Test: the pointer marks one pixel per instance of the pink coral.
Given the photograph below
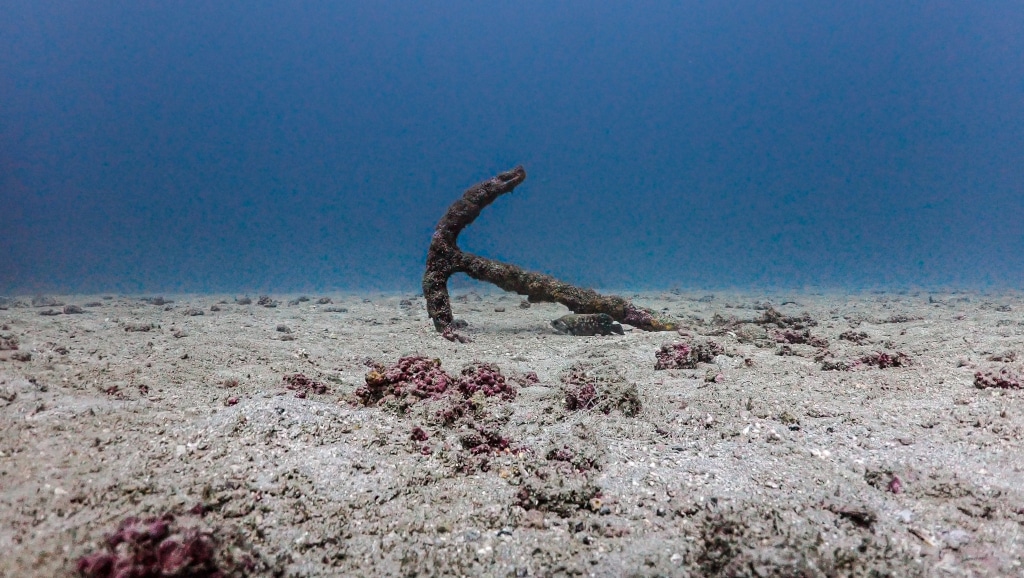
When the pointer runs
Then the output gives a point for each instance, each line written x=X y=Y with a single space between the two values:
x=486 y=378
x=884 y=360
x=579 y=396
x=682 y=355
x=414 y=377
x=303 y=386
x=791 y=336
x=1005 y=378
x=895 y=484
x=153 y=547
x=483 y=439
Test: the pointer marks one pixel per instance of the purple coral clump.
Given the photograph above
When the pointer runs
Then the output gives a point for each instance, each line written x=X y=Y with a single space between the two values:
x=580 y=396
x=599 y=388
x=674 y=356
x=415 y=377
x=302 y=385
x=895 y=485
x=638 y=317
x=452 y=410
x=153 y=547
x=682 y=355
x=794 y=337
x=857 y=337
x=884 y=360
x=419 y=434
x=773 y=317
x=450 y=334
x=486 y=378
x=1005 y=378
x=834 y=365
x=484 y=440
x=580 y=461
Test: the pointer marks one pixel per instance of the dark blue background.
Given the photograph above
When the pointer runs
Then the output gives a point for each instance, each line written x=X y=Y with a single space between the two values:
x=201 y=146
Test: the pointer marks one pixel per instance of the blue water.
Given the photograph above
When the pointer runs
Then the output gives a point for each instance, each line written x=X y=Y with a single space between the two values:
x=291 y=146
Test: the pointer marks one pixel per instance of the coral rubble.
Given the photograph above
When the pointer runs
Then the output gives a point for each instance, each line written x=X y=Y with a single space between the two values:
x=1003 y=378
x=683 y=355
x=158 y=546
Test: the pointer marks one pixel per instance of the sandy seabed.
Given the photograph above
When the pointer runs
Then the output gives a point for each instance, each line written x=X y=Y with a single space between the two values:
x=756 y=461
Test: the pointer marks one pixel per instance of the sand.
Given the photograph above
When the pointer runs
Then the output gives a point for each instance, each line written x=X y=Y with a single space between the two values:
x=755 y=462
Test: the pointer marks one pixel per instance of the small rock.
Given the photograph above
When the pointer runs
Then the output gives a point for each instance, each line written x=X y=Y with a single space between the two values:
x=957 y=538
x=905 y=516
x=725 y=362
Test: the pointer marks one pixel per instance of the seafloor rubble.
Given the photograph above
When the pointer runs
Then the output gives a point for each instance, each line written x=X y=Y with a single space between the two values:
x=772 y=435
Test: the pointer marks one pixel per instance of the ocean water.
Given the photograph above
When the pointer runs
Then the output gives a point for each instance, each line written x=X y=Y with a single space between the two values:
x=293 y=146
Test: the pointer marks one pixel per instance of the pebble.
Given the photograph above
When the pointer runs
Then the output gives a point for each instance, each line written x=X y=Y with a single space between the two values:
x=957 y=538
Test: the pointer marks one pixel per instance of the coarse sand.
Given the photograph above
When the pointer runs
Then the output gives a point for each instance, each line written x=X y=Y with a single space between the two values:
x=816 y=434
